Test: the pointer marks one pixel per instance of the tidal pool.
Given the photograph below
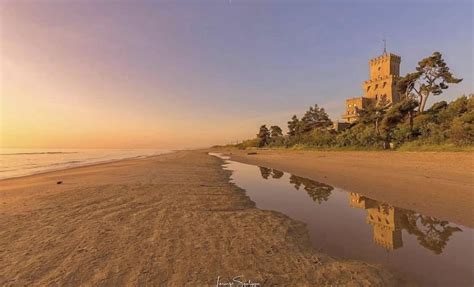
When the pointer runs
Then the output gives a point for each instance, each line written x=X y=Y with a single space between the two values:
x=343 y=224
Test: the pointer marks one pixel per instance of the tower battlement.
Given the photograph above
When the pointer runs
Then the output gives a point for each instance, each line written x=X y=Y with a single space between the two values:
x=384 y=65
x=384 y=57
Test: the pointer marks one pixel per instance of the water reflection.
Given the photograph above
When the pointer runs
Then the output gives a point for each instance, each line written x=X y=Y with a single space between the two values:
x=267 y=172
x=431 y=251
x=319 y=192
x=387 y=221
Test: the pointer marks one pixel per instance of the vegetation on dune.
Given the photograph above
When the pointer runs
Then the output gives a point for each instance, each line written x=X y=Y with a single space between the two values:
x=406 y=124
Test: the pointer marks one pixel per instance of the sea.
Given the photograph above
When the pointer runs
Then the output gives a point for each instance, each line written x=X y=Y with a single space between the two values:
x=23 y=162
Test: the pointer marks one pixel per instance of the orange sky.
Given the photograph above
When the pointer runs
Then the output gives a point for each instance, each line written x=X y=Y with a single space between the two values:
x=56 y=92
x=116 y=75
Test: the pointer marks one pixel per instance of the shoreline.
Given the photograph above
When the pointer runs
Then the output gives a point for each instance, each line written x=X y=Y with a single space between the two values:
x=438 y=184
x=85 y=165
x=123 y=223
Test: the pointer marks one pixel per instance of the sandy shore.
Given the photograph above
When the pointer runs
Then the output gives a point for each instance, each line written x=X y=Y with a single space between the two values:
x=438 y=184
x=169 y=220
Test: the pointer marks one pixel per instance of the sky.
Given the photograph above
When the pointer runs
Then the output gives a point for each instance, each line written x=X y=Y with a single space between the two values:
x=187 y=74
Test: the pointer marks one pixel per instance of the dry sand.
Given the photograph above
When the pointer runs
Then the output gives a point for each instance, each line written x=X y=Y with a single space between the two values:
x=439 y=184
x=168 y=220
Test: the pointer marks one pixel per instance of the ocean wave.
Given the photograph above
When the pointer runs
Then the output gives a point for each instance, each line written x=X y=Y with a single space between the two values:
x=67 y=162
x=22 y=165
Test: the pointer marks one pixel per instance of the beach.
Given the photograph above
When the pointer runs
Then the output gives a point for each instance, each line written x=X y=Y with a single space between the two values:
x=236 y=143
x=173 y=219
x=439 y=184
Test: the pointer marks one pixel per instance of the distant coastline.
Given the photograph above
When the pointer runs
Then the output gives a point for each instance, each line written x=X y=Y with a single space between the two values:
x=24 y=162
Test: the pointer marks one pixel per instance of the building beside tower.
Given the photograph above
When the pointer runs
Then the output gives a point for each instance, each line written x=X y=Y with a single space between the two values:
x=384 y=72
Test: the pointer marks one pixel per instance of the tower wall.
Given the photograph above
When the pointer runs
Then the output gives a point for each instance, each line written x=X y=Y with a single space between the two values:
x=385 y=65
x=352 y=105
x=384 y=72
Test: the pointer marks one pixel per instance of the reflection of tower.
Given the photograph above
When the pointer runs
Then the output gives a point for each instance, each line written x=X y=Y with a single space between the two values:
x=357 y=201
x=385 y=220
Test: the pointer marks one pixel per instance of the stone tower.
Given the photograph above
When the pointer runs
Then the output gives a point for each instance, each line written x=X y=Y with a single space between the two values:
x=383 y=76
x=384 y=72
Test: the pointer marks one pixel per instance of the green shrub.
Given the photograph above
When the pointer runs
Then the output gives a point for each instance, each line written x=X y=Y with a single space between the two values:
x=359 y=135
x=446 y=125
x=401 y=134
x=462 y=130
x=321 y=138
x=248 y=143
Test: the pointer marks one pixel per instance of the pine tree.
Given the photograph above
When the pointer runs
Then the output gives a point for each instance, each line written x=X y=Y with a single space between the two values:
x=293 y=126
x=275 y=131
x=373 y=113
x=315 y=118
x=432 y=76
x=263 y=136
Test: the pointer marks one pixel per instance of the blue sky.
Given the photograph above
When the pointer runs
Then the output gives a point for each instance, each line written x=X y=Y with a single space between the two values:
x=193 y=73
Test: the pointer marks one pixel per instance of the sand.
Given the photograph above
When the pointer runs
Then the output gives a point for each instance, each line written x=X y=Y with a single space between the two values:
x=439 y=184
x=170 y=220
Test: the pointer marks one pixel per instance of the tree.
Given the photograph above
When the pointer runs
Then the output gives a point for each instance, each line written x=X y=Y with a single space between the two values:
x=432 y=76
x=263 y=136
x=395 y=115
x=373 y=113
x=315 y=118
x=407 y=108
x=275 y=132
x=293 y=125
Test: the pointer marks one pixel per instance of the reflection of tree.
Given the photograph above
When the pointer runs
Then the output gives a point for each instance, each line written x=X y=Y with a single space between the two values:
x=265 y=172
x=277 y=174
x=319 y=192
x=295 y=180
x=431 y=232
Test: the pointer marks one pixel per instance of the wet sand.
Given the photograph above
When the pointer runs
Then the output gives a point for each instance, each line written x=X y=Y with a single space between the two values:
x=439 y=184
x=169 y=220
